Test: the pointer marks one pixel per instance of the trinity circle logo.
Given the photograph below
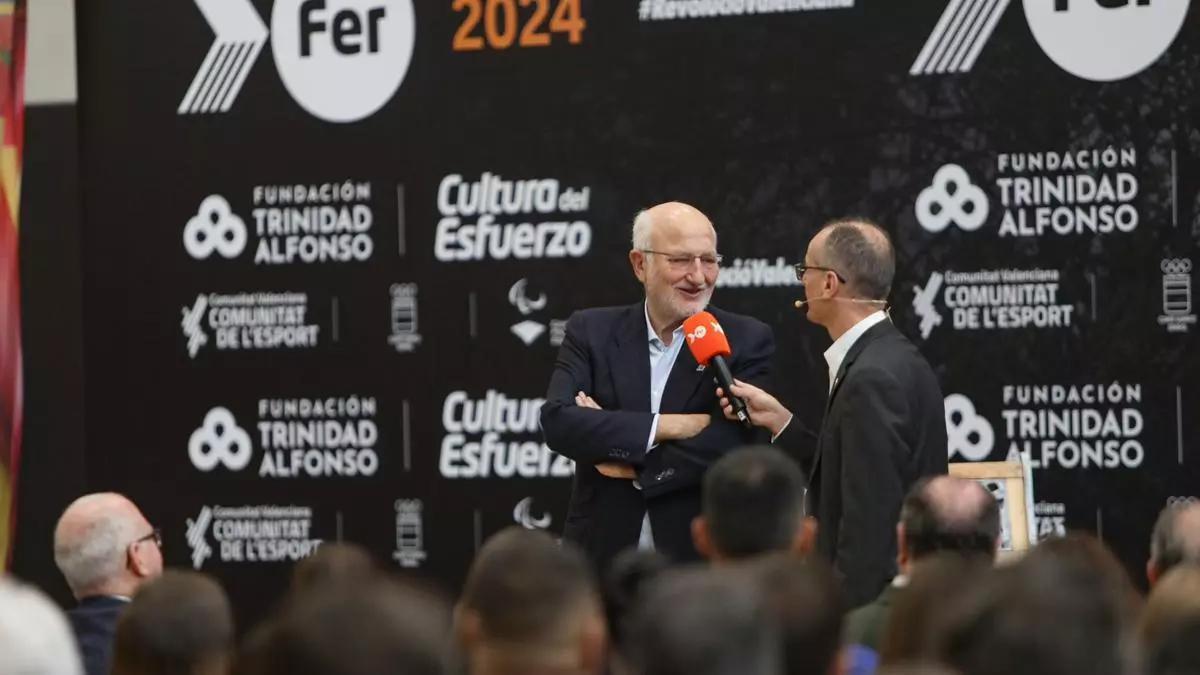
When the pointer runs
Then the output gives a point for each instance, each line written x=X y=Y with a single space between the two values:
x=967 y=433
x=1105 y=40
x=952 y=198
x=219 y=441
x=342 y=60
x=215 y=227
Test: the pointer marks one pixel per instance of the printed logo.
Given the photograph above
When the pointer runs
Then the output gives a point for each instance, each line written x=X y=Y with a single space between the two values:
x=318 y=223
x=1098 y=40
x=249 y=321
x=757 y=273
x=404 y=337
x=668 y=10
x=1105 y=40
x=968 y=433
x=239 y=35
x=341 y=60
x=522 y=516
x=265 y=533
x=410 y=533
x=1075 y=426
x=1040 y=194
x=1050 y=518
x=992 y=300
x=534 y=231
x=214 y=228
x=1177 y=313
x=497 y=436
x=196 y=529
x=318 y=438
x=952 y=199
x=220 y=441
x=528 y=331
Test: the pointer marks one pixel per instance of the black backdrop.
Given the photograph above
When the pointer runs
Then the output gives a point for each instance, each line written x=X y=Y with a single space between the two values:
x=770 y=121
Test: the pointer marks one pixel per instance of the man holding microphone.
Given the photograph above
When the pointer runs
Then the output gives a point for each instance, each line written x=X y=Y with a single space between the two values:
x=884 y=423
x=632 y=406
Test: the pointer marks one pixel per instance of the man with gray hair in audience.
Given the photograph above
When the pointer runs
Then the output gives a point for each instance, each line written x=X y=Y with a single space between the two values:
x=939 y=514
x=1176 y=539
x=106 y=549
x=34 y=636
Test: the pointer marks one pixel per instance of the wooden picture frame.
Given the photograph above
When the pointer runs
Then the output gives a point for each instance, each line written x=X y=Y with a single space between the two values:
x=1012 y=485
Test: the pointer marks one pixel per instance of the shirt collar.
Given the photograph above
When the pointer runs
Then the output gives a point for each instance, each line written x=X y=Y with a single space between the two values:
x=652 y=336
x=841 y=347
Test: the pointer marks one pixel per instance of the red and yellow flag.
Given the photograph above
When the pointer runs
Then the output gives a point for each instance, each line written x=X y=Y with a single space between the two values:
x=12 y=109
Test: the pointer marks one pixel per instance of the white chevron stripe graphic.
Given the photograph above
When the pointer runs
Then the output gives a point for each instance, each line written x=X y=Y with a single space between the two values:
x=959 y=36
x=239 y=37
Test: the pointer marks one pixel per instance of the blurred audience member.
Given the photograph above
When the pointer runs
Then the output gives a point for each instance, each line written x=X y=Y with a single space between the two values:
x=334 y=563
x=1062 y=610
x=1176 y=539
x=34 y=636
x=753 y=503
x=919 y=609
x=178 y=624
x=1170 y=625
x=806 y=601
x=376 y=627
x=702 y=622
x=106 y=549
x=531 y=606
x=630 y=573
x=942 y=513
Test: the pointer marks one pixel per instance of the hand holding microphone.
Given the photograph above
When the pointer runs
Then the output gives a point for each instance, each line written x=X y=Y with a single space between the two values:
x=707 y=342
x=766 y=410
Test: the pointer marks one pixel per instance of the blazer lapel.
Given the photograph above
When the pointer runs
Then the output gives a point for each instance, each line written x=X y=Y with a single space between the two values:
x=630 y=359
x=872 y=334
x=685 y=377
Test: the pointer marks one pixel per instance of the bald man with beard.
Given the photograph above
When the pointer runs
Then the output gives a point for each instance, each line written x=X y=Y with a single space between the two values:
x=628 y=402
x=106 y=549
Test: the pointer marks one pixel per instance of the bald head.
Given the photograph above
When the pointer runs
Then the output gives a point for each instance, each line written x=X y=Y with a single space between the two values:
x=667 y=219
x=1176 y=539
x=97 y=549
x=861 y=252
x=946 y=513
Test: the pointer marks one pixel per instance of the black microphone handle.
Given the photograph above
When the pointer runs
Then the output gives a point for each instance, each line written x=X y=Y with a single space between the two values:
x=725 y=379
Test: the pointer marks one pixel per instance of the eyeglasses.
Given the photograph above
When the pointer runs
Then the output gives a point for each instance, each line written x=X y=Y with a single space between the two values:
x=683 y=261
x=155 y=535
x=801 y=268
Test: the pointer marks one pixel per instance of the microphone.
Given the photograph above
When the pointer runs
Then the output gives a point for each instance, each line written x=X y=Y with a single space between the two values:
x=799 y=304
x=707 y=342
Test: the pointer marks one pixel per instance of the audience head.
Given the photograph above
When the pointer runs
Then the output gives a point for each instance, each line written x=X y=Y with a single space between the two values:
x=1170 y=624
x=1176 y=539
x=920 y=611
x=753 y=503
x=628 y=575
x=35 y=638
x=806 y=601
x=178 y=624
x=104 y=546
x=1093 y=562
x=1053 y=613
x=531 y=605
x=334 y=563
x=947 y=513
x=377 y=626
x=702 y=622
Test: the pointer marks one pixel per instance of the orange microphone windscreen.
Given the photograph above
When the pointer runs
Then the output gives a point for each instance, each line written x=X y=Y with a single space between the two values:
x=705 y=338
